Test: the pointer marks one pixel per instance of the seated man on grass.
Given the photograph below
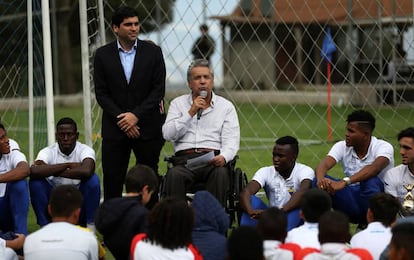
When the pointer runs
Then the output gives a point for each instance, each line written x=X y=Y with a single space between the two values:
x=65 y=162
x=284 y=184
x=364 y=159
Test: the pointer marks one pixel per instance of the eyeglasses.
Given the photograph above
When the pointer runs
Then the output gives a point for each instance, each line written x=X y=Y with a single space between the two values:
x=68 y=135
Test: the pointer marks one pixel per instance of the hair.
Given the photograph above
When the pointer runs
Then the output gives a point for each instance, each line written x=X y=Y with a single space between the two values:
x=245 y=243
x=403 y=237
x=290 y=140
x=204 y=27
x=67 y=121
x=363 y=118
x=139 y=176
x=2 y=127
x=170 y=223
x=384 y=208
x=408 y=132
x=198 y=63
x=121 y=13
x=334 y=227
x=314 y=203
x=64 y=200
x=272 y=224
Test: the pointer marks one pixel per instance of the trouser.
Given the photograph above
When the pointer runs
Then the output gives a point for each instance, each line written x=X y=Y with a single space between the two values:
x=40 y=190
x=14 y=207
x=353 y=199
x=179 y=180
x=293 y=216
x=115 y=161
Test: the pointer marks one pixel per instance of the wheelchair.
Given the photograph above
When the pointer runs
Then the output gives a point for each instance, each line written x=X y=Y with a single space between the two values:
x=237 y=181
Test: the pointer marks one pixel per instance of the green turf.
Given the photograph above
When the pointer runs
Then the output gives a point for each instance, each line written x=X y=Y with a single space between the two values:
x=260 y=125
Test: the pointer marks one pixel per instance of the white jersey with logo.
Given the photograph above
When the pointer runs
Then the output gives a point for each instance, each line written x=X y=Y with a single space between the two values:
x=395 y=180
x=61 y=241
x=277 y=188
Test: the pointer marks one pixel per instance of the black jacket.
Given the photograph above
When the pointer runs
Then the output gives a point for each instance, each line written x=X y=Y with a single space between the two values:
x=119 y=220
x=142 y=96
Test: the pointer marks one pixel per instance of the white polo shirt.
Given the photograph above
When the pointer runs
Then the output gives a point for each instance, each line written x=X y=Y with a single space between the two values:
x=277 y=188
x=53 y=155
x=351 y=164
x=374 y=238
x=395 y=179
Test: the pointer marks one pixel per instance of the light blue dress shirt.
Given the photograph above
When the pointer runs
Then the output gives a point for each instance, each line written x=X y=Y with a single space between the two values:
x=127 y=59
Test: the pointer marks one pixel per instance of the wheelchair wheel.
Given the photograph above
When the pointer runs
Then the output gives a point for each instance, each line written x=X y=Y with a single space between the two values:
x=239 y=181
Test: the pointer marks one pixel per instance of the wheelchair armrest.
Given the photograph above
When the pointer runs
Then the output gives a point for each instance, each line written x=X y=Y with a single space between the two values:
x=169 y=161
x=232 y=163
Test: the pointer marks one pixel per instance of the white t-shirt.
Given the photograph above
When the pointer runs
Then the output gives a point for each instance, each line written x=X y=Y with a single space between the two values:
x=62 y=241
x=53 y=155
x=374 y=238
x=8 y=162
x=277 y=188
x=395 y=179
x=351 y=164
x=305 y=235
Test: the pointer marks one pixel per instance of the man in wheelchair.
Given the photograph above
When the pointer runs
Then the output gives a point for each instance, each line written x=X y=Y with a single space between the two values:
x=204 y=129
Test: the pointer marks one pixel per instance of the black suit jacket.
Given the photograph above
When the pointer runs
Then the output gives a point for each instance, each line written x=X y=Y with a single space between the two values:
x=142 y=96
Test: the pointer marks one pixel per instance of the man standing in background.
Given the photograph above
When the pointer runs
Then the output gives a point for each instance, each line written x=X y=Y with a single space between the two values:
x=204 y=46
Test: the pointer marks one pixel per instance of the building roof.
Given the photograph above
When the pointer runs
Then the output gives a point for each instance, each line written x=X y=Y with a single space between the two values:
x=320 y=11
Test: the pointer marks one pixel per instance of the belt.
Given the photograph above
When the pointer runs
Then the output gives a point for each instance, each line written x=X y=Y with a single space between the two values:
x=193 y=151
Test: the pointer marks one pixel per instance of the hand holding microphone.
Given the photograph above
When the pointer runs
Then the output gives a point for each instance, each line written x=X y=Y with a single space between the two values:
x=203 y=93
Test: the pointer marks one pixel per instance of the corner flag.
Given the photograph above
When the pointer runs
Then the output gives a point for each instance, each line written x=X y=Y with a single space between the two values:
x=328 y=46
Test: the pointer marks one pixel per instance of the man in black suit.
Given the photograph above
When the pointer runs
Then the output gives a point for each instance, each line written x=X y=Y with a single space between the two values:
x=129 y=76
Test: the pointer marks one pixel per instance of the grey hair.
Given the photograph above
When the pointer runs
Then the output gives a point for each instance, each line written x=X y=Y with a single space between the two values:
x=198 y=63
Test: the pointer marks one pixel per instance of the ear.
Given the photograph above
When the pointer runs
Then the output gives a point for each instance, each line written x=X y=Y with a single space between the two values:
x=75 y=216
x=370 y=215
x=301 y=215
x=145 y=189
x=115 y=29
x=49 y=210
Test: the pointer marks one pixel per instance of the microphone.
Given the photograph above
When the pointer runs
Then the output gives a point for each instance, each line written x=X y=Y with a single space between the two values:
x=203 y=93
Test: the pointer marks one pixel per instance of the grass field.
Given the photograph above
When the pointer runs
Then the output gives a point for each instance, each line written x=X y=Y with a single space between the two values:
x=260 y=125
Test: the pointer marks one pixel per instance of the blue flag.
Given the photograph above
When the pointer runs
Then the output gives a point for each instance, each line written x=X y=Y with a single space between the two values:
x=328 y=46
